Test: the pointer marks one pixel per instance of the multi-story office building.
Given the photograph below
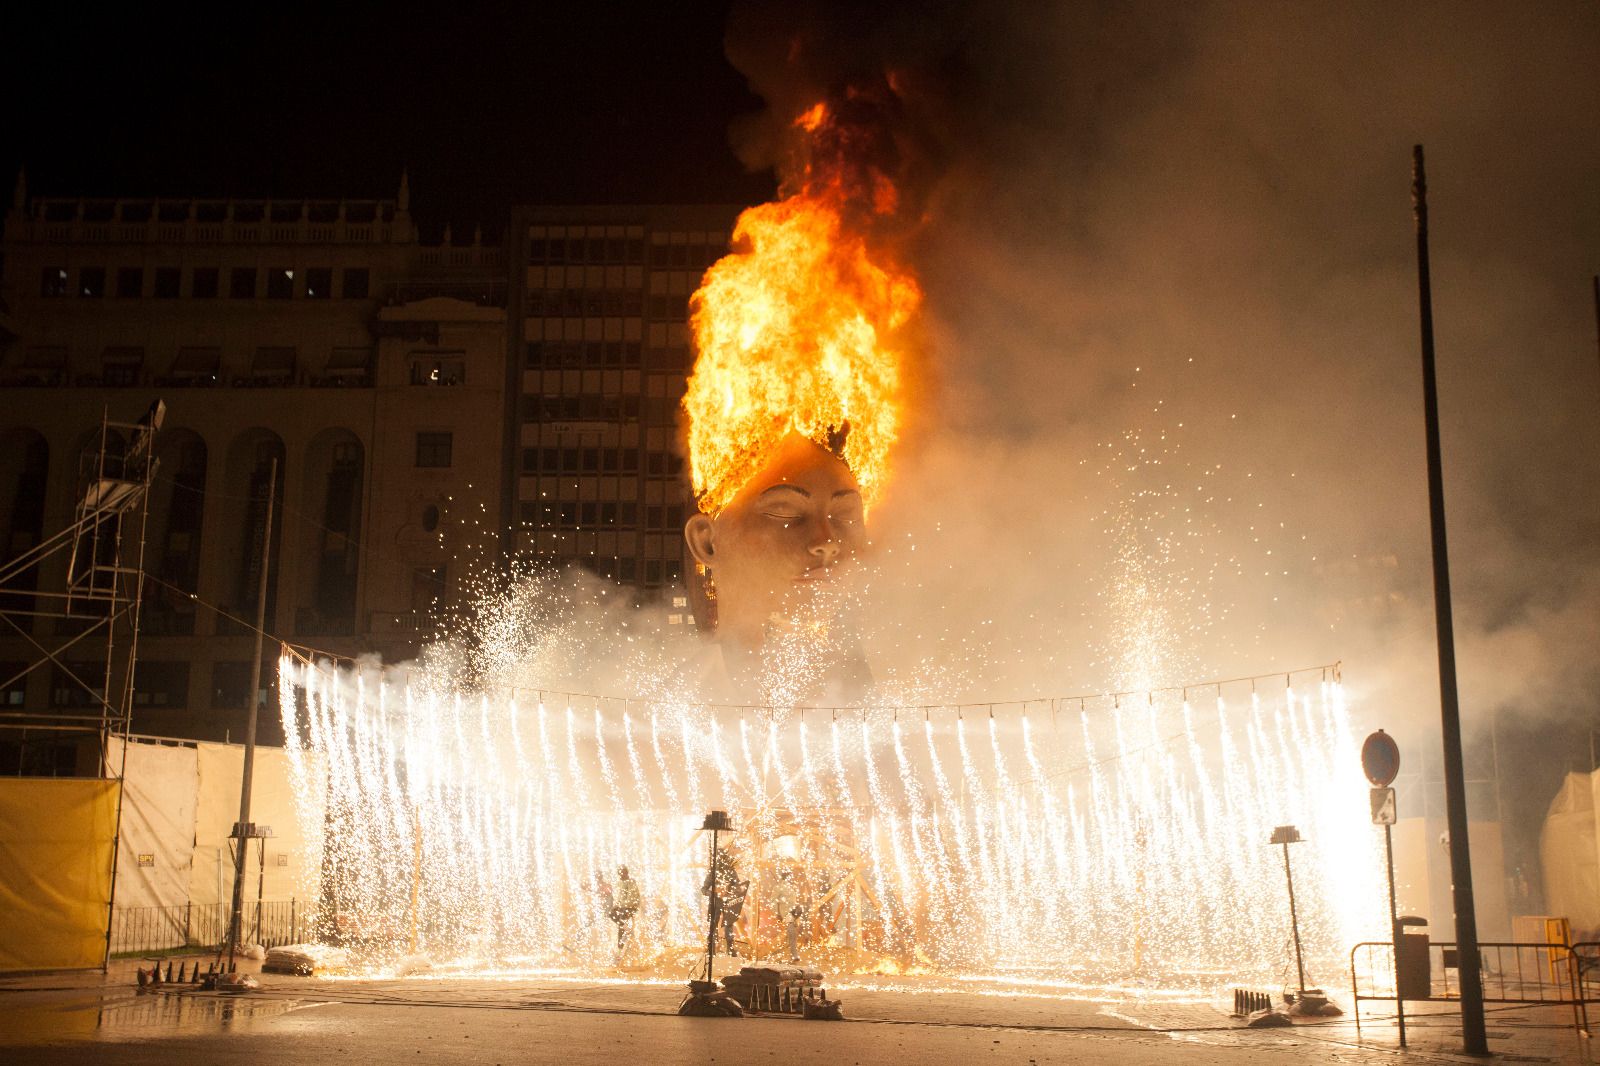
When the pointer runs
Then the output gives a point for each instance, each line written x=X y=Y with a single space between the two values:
x=599 y=354
x=320 y=334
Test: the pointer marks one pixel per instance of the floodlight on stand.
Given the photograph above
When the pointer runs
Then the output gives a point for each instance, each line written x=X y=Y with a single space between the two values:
x=718 y=821
x=1285 y=834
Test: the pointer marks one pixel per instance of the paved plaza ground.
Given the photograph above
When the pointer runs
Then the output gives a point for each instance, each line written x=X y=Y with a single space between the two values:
x=94 y=1018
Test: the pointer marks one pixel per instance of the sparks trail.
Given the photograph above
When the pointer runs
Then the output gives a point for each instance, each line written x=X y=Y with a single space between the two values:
x=902 y=868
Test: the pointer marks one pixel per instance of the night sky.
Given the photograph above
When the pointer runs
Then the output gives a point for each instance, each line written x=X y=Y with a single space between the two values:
x=487 y=104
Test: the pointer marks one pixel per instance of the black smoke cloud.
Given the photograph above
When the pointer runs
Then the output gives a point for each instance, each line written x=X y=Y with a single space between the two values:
x=1169 y=264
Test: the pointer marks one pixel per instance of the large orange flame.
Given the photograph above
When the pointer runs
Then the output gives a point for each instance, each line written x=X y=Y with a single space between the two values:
x=796 y=331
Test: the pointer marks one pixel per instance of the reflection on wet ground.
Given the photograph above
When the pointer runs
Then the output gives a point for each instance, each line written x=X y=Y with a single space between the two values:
x=117 y=1015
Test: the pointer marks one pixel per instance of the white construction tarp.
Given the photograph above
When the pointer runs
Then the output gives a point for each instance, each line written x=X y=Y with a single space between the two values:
x=155 y=844
x=155 y=849
x=1569 y=853
x=293 y=864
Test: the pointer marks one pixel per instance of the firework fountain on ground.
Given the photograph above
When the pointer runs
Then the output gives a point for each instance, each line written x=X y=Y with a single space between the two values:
x=1110 y=840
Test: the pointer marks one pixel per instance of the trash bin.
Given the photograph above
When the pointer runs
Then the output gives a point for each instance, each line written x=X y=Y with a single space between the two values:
x=1412 y=969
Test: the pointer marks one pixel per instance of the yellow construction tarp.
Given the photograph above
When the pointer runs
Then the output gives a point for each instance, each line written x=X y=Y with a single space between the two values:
x=55 y=871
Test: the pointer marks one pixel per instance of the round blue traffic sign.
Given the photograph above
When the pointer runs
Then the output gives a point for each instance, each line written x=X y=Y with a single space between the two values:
x=1380 y=758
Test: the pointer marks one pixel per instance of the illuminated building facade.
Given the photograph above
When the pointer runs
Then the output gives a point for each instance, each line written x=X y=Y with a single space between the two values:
x=599 y=354
x=322 y=334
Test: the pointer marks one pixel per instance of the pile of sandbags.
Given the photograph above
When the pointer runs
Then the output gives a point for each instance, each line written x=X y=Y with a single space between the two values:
x=779 y=989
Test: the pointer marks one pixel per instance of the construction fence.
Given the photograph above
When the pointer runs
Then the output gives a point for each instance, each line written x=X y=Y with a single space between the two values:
x=204 y=926
x=1546 y=973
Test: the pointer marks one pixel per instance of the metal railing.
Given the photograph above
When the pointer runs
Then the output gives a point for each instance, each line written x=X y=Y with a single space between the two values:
x=1526 y=972
x=141 y=930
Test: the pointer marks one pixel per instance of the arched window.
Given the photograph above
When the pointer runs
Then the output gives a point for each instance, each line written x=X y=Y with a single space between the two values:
x=249 y=469
x=177 y=513
x=24 y=471
x=336 y=462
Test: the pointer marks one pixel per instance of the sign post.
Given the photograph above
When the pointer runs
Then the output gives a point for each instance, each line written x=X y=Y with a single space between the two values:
x=1380 y=759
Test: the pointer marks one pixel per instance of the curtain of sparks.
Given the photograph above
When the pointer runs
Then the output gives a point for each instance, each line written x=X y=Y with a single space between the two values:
x=1106 y=841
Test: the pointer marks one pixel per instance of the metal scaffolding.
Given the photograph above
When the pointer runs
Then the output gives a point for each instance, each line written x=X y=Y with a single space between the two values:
x=87 y=577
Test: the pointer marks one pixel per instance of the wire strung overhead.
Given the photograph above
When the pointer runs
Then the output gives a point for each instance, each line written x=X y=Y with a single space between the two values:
x=1325 y=671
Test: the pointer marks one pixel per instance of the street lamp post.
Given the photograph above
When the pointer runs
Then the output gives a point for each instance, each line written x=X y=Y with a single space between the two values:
x=1473 y=1037
x=717 y=822
x=1286 y=835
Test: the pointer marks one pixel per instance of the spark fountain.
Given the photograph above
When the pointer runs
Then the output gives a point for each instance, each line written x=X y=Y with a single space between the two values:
x=1105 y=841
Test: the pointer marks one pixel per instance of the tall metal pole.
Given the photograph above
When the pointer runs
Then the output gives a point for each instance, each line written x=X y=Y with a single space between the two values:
x=1294 y=922
x=250 y=725
x=1597 y=314
x=714 y=908
x=1394 y=931
x=1473 y=1038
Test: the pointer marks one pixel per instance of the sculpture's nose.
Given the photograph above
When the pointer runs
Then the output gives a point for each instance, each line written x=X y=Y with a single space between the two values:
x=826 y=546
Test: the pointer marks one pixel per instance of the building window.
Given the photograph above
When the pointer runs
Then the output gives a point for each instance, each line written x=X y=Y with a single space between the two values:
x=130 y=282
x=427 y=588
x=230 y=685
x=78 y=684
x=92 y=281
x=166 y=283
x=273 y=366
x=203 y=284
x=319 y=283
x=242 y=283
x=438 y=370
x=53 y=281
x=161 y=685
x=433 y=449
x=356 y=283
x=121 y=366
x=280 y=283
x=15 y=694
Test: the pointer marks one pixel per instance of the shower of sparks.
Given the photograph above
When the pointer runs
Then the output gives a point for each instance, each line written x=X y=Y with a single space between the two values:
x=1109 y=841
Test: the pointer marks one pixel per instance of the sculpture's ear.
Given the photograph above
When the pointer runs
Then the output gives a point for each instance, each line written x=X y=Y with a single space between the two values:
x=701 y=534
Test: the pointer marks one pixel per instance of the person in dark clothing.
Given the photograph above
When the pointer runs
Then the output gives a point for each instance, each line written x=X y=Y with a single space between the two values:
x=727 y=895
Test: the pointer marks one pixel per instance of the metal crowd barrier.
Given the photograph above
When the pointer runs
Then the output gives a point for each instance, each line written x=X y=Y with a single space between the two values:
x=142 y=930
x=1552 y=974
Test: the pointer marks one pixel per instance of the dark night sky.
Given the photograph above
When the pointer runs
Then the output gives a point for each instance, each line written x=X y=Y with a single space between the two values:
x=487 y=104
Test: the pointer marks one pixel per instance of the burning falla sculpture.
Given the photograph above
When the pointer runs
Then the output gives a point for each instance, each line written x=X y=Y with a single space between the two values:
x=794 y=405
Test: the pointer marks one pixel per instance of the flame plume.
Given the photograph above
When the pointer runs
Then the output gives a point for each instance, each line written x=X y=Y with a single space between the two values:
x=801 y=328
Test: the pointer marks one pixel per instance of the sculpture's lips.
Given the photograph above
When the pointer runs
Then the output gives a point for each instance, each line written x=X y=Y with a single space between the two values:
x=813 y=576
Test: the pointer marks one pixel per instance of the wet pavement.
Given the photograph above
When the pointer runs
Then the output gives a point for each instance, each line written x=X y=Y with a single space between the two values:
x=94 y=1018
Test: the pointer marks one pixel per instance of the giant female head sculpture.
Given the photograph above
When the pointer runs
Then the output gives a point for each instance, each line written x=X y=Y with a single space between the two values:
x=797 y=393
